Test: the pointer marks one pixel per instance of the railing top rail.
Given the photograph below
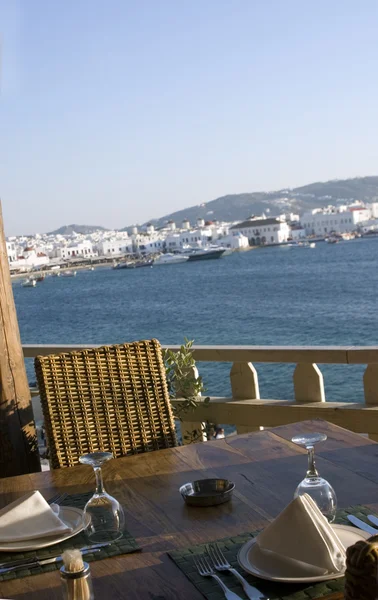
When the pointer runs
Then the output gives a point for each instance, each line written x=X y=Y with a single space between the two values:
x=263 y=354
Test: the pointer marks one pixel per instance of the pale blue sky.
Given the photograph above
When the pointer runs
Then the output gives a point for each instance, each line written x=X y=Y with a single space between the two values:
x=117 y=111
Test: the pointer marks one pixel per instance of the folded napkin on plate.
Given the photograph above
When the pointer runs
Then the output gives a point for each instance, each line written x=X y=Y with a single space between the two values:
x=300 y=539
x=29 y=517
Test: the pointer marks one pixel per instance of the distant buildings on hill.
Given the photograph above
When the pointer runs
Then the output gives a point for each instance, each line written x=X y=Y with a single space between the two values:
x=26 y=252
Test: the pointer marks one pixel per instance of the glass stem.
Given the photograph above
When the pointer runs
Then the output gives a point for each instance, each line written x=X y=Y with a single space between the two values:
x=311 y=469
x=99 y=483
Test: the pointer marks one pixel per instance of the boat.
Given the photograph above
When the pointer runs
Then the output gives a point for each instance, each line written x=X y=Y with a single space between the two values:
x=347 y=236
x=68 y=274
x=203 y=253
x=307 y=244
x=304 y=244
x=29 y=283
x=170 y=259
x=41 y=278
x=139 y=263
x=332 y=240
x=135 y=264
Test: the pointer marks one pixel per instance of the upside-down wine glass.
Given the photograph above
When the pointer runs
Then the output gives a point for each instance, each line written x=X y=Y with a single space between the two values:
x=318 y=488
x=104 y=518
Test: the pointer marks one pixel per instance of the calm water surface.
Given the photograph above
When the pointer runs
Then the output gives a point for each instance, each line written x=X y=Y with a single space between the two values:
x=270 y=296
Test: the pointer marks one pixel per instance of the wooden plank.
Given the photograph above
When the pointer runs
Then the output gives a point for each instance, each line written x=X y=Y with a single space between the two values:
x=18 y=444
x=363 y=355
x=274 y=354
x=269 y=354
x=371 y=384
x=33 y=350
x=355 y=416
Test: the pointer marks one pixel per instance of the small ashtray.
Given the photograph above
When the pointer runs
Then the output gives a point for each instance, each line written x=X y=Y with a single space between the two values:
x=207 y=492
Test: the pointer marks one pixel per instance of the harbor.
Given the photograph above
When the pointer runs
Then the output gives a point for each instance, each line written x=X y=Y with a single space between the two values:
x=268 y=296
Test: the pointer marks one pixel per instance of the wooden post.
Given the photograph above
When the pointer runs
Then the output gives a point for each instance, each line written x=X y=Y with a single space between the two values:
x=371 y=390
x=244 y=382
x=244 y=386
x=18 y=442
x=308 y=383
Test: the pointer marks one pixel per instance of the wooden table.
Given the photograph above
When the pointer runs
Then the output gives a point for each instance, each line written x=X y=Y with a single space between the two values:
x=265 y=466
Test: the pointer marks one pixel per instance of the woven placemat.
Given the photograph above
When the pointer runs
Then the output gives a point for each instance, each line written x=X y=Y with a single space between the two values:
x=124 y=545
x=283 y=591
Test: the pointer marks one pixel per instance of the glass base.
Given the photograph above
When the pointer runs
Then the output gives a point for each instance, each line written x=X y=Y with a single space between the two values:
x=103 y=537
x=322 y=493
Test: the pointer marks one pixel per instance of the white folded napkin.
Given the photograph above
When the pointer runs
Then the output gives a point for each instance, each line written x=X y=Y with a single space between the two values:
x=29 y=517
x=300 y=540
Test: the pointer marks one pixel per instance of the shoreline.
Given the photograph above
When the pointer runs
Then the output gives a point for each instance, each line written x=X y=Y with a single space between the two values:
x=50 y=272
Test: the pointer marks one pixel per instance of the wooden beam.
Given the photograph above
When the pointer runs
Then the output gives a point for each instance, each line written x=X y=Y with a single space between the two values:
x=18 y=442
x=244 y=381
x=308 y=383
x=358 y=417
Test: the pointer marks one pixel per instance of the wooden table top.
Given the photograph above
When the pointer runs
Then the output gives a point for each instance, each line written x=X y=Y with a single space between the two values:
x=266 y=468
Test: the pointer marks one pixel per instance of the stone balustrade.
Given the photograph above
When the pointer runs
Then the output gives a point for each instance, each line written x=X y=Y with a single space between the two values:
x=248 y=412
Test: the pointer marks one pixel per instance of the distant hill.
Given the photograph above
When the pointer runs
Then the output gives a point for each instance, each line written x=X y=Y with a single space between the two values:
x=69 y=229
x=237 y=207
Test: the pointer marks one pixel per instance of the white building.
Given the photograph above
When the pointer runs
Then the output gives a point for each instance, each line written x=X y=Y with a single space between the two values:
x=297 y=233
x=29 y=259
x=263 y=231
x=236 y=241
x=115 y=247
x=338 y=219
x=82 y=249
x=11 y=251
x=373 y=209
x=148 y=243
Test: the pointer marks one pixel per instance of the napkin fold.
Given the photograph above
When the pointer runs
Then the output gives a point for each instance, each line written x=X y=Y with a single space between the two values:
x=301 y=539
x=29 y=517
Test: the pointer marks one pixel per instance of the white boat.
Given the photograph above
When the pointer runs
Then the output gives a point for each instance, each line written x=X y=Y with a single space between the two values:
x=203 y=253
x=170 y=259
x=68 y=274
x=304 y=244
x=29 y=283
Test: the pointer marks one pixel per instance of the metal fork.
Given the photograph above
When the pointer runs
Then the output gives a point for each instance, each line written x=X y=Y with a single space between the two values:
x=204 y=568
x=221 y=564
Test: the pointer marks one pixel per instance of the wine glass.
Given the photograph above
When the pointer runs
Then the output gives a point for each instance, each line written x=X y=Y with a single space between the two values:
x=318 y=488
x=104 y=518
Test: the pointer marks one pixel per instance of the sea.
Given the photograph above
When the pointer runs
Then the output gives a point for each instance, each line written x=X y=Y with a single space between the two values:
x=267 y=296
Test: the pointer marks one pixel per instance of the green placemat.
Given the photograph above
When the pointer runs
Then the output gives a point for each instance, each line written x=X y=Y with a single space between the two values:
x=124 y=545
x=230 y=547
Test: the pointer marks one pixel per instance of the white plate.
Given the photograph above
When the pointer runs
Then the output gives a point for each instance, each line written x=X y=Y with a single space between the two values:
x=73 y=517
x=253 y=562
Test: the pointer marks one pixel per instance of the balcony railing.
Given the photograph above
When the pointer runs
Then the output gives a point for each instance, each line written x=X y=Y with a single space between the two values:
x=248 y=412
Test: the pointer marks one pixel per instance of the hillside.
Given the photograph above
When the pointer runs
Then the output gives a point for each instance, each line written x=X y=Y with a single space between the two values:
x=235 y=207
x=69 y=229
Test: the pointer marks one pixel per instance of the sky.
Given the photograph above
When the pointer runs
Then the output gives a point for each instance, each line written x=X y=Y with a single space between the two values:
x=113 y=112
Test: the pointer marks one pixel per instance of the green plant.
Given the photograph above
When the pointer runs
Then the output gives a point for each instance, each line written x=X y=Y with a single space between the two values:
x=185 y=383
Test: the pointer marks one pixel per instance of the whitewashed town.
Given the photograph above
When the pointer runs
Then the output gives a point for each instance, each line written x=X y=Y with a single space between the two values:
x=143 y=246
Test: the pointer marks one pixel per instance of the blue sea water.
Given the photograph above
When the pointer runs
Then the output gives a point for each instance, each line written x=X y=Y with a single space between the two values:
x=268 y=296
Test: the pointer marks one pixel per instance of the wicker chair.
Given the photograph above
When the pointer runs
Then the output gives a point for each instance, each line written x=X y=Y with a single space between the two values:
x=113 y=398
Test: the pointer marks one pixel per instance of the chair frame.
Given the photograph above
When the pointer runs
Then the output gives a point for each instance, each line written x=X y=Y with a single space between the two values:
x=111 y=398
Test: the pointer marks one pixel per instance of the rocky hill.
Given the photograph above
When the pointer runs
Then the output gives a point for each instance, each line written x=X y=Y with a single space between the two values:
x=235 y=207
x=69 y=229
